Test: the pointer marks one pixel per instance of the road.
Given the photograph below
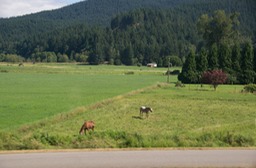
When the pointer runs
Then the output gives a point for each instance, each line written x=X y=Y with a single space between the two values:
x=131 y=159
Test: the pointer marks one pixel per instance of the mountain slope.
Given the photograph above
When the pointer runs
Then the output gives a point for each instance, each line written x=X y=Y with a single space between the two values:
x=100 y=12
x=24 y=35
x=90 y=12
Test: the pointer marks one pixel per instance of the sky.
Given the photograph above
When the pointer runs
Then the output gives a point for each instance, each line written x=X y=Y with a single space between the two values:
x=11 y=8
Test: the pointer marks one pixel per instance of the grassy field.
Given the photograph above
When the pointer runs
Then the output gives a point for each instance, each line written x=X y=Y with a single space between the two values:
x=34 y=92
x=192 y=116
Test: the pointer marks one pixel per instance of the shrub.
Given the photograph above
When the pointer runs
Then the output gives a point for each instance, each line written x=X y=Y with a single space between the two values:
x=9 y=141
x=32 y=143
x=11 y=58
x=251 y=88
x=237 y=140
x=125 y=140
x=3 y=71
x=62 y=58
x=53 y=140
x=174 y=72
x=179 y=84
x=175 y=61
x=129 y=73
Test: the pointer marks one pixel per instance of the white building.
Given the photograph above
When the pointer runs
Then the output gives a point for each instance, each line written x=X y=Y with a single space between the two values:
x=152 y=65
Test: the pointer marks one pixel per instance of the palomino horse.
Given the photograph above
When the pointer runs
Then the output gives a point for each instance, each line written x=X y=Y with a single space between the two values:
x=87 y=126
x=146 y=110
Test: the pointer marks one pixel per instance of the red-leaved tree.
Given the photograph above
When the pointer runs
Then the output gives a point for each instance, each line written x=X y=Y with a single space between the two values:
x=214 y=77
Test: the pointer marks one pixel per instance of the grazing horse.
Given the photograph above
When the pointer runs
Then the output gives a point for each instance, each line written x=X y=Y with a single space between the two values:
x=146 y=110
x=87 y=126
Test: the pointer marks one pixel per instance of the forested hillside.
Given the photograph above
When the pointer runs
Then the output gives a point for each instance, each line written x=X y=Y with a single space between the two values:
x=90 y=12
x=126 y=32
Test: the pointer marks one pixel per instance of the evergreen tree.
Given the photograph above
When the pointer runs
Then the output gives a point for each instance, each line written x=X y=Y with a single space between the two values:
x=247 y=59
x=202 y=63
x=127 y=56
x=225 y=58
x=255 y=59
x=189 y=73
x=213 y=57
x=247 y=75
x=236 y=58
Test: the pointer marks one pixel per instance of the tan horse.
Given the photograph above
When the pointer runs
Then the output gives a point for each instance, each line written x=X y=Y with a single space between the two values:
x=146 y=110
x=87 y=126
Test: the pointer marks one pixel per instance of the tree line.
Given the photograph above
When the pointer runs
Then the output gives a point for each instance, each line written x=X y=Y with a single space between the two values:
x=224 y=49
x=238 y=62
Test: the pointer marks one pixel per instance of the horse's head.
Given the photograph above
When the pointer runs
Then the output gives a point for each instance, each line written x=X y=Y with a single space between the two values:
x=151 y=109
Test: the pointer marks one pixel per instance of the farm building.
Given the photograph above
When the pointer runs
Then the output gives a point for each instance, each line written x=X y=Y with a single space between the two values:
x=152 y=65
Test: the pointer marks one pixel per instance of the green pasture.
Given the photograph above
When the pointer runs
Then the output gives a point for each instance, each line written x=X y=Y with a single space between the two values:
x=182 y=117
x=47 y=108
x=39 y=91
x=73 y=68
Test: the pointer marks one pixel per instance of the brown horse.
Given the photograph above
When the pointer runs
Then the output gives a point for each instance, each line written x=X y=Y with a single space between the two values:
x=146 y=110
x=87 y=126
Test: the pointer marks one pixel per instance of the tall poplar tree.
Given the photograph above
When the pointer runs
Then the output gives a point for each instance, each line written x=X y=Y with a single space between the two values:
x=219 y=28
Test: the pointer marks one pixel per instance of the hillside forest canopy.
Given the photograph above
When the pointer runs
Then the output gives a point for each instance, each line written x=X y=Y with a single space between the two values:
x=200 y=35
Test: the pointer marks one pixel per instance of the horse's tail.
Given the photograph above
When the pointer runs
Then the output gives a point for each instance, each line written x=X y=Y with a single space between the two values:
x=82 y=129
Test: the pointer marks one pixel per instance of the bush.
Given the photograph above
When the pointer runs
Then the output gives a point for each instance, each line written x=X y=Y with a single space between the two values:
x=251 y=88
x=9 y=141
x=11 y=58
x=62 y=58
x=125 y=140
x=175 y=61
x=179 y=84
x=31 y=143
x=129 y=73
x=237 y=140
x=53 y=140
x=174 y=72
x=3 y=71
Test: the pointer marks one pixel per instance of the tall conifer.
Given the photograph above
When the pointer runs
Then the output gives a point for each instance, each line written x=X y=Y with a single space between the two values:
x=248 y=74
x=225 y=57
x=213 y=57
x=202 y=64
x=236 y=58
x=189 y=73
